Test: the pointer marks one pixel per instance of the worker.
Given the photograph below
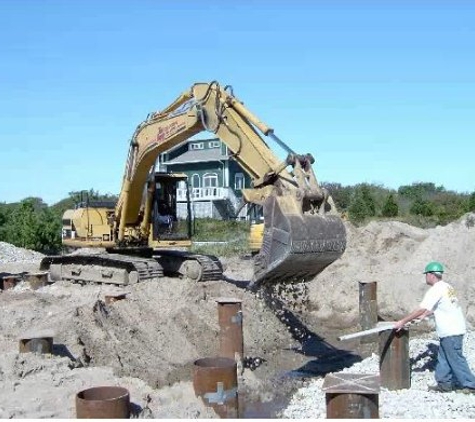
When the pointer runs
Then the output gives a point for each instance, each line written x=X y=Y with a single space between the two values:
x=452 y=371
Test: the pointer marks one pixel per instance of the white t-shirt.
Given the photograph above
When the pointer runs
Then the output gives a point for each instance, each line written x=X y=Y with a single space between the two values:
x=442 y=300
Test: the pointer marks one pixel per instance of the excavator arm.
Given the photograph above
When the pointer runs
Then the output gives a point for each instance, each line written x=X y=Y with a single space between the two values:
x=302 y=231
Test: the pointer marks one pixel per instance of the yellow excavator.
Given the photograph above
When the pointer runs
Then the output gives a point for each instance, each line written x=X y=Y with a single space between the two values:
x=142 y=236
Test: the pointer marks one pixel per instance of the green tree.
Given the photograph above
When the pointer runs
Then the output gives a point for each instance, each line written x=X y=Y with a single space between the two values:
x=448 y=206
x=368 y=200
x=390 y=207
x=422 y=207
x=3 y=222
x=419 y=190
x=358 y=210
x=49 y=231
x=471 y=203
x=362 y=205
x=34 y=227
x=22 y=226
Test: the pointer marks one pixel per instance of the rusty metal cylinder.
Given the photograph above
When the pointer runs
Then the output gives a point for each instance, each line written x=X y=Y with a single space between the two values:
x=40 y=344
x=36 y=280
x=368 y=307
x=215 y=382
x=352 y=396
x=231 y=341
x=394 y=362
x=108 y=402
x=10 y=281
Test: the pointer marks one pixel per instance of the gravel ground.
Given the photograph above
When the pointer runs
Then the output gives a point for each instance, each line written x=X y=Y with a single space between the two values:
x=413 y=403
x=10 y=253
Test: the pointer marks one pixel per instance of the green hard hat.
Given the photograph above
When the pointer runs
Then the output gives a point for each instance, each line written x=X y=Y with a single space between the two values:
x=434 y=267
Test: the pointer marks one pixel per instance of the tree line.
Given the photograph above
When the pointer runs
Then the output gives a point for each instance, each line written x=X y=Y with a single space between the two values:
x=32 y=224
x=420 y=204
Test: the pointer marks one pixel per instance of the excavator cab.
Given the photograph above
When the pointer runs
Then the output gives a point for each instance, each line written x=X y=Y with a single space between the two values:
x=171 y=211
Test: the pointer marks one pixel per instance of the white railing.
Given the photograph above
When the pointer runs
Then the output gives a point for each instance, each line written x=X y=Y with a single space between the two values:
x=205 y=194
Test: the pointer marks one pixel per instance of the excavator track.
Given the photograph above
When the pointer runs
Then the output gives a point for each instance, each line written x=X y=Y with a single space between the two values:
x=193 y=266
x=119 y=269
x=101 y=268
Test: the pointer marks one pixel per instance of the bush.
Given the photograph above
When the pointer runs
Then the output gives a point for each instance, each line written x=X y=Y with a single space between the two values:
x=234 y=235
x=390 y=207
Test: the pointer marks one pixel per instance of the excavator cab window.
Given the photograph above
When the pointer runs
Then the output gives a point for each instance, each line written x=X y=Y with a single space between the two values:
x=169 y=222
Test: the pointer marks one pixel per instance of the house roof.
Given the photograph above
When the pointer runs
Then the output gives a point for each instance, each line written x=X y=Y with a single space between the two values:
x=199 y=156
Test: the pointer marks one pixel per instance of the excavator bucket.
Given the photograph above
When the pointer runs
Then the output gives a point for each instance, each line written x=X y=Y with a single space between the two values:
x=296 y=246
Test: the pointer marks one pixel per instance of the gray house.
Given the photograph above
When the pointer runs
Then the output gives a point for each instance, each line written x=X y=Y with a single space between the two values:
x=214 y=178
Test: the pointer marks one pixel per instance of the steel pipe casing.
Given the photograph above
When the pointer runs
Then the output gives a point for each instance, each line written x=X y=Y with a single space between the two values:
x=105 y=402
x=215 y=382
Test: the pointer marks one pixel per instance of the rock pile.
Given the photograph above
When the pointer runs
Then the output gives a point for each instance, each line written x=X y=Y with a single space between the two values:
x=10 y=253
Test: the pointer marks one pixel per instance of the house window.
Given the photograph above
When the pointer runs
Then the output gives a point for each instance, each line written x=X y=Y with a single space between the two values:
x=195 y=181
x=181 y=184
x=198 y=145
x=239 y=181
x=210 y=180
x=214 y=144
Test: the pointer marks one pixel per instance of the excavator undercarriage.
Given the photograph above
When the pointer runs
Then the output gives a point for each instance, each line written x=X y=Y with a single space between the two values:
x=126 y=267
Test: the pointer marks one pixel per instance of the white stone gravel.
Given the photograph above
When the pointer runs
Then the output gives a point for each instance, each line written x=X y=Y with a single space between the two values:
x=10 y=253
x=413 y=403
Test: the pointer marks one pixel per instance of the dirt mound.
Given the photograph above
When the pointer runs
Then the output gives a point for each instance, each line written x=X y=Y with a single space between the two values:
x=163 y=327
x=394 y=255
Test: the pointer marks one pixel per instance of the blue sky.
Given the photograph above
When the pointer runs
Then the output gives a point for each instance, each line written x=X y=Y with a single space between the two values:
x=378 y=91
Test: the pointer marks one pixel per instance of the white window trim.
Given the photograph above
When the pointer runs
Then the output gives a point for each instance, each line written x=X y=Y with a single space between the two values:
x=197 y=145
x=243 y=179
x=210 y=176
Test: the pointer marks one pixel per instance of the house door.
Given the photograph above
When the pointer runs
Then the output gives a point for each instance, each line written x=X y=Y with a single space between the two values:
x=210 y=184
x=195 y=184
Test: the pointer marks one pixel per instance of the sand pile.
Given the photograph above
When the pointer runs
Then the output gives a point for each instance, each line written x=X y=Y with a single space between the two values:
x=149 y=341
x=394 y=255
